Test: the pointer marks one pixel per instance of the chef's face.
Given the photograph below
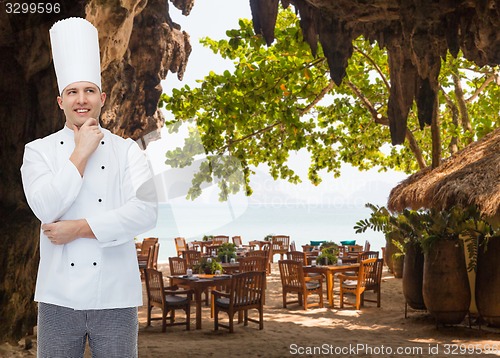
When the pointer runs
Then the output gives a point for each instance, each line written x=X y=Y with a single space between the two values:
x=81 y=101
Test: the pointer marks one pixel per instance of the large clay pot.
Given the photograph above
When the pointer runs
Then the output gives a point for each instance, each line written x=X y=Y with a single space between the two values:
x=390 y=249
x=413 y=275
x=488 y=281
x=398 y=265
x=445 y=283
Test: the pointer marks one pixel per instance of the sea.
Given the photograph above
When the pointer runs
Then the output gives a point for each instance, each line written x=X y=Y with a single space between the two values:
x=302 y=222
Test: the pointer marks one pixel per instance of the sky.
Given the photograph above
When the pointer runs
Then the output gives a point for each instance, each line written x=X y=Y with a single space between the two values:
x=212 y=18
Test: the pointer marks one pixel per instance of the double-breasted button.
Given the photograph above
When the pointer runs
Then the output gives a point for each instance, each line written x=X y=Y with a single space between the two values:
x=100 y=200
x=102 y=142
x=95 y=264
x=72 y=264
x=102 y=167
x=62 y=142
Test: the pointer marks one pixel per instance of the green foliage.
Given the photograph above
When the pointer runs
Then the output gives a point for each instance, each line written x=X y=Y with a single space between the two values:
x=329 y=252
x=207 y=237
x=280 y=99
x=424 y=228
x=207 y=265
x=226 y=252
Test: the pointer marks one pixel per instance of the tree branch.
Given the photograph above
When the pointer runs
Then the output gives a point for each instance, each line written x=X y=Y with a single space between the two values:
x=318 y=98
x=380 y=119
x=462 y=107
x=454 y=118
x=481 y=88
x=374 y=64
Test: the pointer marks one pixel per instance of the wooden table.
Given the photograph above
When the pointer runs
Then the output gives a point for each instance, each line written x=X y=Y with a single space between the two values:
x=329 y=272
x=199 y=283
x=230 y=268
x=200 y=244
x=260 y=243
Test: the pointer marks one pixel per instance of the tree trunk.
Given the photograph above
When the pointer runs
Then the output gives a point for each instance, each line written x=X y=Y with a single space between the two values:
x=132 y=68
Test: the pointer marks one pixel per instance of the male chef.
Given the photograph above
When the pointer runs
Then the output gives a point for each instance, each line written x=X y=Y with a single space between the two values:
x=89 y=189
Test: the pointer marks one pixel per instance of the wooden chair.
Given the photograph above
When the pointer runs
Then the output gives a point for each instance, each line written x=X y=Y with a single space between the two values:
x=294 y=281
x=374 y=285
x=220 y=239
x=153 y=256
x=239 y=243
x=180 y=245
x=293 y=247
x=367 y=246
x=297 y=256
x=280 y=244
x=357 y=285
x=264 y=253
x=168 y=299
x=192 y=257
x=150 y=260
x=245 y=292
x=144 y=247
x=178 y=266
x=362 y=256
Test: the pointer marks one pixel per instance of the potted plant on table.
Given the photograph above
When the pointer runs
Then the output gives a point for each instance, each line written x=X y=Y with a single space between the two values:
x=329 y=253
x=207 y=265
x=226 y=252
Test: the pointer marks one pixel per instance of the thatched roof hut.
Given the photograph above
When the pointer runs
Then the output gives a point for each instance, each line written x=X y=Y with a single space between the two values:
x=469 y=177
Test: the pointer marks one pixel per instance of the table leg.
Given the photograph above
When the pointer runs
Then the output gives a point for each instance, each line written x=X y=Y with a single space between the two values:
x=329 y=288
x=197 y=298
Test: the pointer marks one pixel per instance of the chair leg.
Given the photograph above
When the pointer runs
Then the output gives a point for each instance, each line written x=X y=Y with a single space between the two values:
x=188 y=317
x=149 y=315
x=358 y=301
x=216 y=319
x=164 y=320
x=231 y=321
x=341 y=296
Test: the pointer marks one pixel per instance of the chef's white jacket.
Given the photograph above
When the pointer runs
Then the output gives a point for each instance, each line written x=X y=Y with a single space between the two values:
x=116 y=198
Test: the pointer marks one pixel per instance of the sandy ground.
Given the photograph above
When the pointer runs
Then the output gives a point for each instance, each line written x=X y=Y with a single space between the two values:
x=333 y=332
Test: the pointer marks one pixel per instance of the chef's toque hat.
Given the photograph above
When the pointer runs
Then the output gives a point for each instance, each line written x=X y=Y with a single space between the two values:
x=75 y=51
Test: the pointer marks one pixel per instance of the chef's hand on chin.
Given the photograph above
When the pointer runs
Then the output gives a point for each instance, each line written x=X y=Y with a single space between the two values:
x=87 y=137
x=62 y=232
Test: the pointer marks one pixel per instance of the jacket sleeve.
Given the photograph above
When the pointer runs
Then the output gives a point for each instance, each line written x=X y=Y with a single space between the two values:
x=50 y=192
x=139 y=210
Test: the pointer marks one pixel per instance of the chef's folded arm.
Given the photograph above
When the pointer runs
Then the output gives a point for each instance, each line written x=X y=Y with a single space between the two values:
x=49 y=193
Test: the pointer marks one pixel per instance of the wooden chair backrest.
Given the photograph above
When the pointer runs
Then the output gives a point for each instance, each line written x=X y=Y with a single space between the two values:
x=367 y=272
x=192 y=257
x=220 y=239
x=292 y=274
x=180 y=245
x=280 y=242
x=367 y=255
x=297 y=256
x=247 y=289
x=153 y=256
x=253 y=263
x=178 y=265
x=147 y=243
x=155 y=287
x=237 y=240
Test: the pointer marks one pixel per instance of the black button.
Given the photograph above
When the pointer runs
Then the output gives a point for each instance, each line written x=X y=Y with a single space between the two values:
x=100 y=200
x=95 y=263
x=62 y=142
x=72 y=264
x=102 y=142
x=102 y=167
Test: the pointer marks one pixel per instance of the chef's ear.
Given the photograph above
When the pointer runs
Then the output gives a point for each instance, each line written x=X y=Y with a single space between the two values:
x=59 y=102
x=103 y=98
